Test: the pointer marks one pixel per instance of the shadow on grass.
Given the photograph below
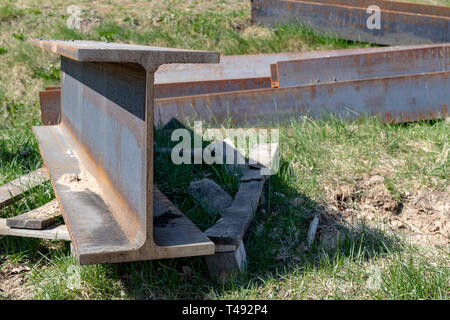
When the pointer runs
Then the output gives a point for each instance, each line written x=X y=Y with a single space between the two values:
x=273 y=242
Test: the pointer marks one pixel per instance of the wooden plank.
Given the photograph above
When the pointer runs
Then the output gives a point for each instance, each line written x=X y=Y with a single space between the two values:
x=220 y=248
x=230 y=229
x=55 y=232
x=265 y=156
x=251 y=174
x=37 y=219
x=223 y=266
x=12 y=191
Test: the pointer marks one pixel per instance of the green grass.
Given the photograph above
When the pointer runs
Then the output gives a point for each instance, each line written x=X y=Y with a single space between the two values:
x=10 y=12
x=316 y=156
x=432 y=2
x=278 y=268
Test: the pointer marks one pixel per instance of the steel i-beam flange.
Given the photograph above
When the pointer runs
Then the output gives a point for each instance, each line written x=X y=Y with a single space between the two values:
x=100 y=155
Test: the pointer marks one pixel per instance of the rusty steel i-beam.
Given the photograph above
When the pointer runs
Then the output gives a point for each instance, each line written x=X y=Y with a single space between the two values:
x=100 y=155
x=398 y=84
x=213 y=92
x=400 y=23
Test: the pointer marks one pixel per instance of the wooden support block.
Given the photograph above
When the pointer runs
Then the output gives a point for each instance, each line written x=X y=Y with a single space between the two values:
x=222 y=266
x=266 y=157
x=226 y=153
x=37 y=219
x=251 y=174
x=225 y=248
x=14 y=190
x=249 y=194
x=230 y=229
x=55 y=232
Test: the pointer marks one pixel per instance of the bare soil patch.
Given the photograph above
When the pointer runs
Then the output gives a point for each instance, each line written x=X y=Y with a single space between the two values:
x=12 y=281
x=422 y=217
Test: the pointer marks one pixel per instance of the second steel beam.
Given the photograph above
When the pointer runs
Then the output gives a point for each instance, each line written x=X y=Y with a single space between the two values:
x=400 y=23
x=394 y=99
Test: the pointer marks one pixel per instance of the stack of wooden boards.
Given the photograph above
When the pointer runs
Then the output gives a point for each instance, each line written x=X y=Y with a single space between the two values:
x=38 y=223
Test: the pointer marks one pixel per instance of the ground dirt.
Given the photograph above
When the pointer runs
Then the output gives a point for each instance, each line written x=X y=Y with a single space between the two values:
x=12 y=280
x=421 y=216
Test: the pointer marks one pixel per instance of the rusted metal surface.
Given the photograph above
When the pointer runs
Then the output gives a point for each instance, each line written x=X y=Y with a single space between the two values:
x=230 y=67
x=50 y=101
x=179 y=89
x=395 y=99
x=347 y=76
x=431 y=58
x=100 y=156
x=275 y=82
x=186 y=101
x=244 y=66
x=233 y=73
x=401 y=23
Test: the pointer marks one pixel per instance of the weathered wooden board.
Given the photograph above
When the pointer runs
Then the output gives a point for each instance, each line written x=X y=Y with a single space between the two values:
x=222 y=266
x=55 y=232
x=37 y=219
x=225 y=248
x=13 y=190
x=230 y=229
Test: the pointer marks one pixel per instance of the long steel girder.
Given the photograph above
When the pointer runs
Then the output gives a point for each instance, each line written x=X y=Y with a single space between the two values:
x=341 y=74
x=399 y=84
x=100 y=155
x=400 y=23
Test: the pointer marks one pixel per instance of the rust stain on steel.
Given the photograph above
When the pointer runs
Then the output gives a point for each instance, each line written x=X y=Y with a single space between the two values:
x=242 y=66
x=396 y=62
x=50 y=101
x=53 y=88
x=399 y=6
x=404 y=97
x=100 y=155
x=274 y=75
x=400 y=23
x=178 y=89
